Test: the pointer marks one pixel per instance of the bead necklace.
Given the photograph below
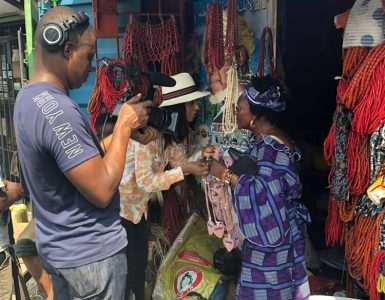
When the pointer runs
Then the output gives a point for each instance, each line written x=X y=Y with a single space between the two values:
x=213 y=49
x=219 y=197
x=229 y=119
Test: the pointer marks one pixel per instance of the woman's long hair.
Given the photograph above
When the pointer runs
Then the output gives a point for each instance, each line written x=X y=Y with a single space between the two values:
x=182 y=126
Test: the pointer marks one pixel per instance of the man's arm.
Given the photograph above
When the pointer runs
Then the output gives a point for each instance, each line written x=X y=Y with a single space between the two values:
x=14 y=191
x=148 y=134
x=98 y=178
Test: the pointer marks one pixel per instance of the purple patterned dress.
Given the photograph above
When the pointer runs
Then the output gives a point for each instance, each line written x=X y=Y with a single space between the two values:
x=273 y=222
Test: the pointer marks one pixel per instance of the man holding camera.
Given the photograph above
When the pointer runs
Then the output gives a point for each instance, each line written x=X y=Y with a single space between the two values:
x=73 y=184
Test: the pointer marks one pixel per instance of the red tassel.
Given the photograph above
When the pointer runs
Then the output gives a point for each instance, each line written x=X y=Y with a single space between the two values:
x=369 y=114
x=333 y=227
x=373 y=275
x=329 y=145
x=358 y=163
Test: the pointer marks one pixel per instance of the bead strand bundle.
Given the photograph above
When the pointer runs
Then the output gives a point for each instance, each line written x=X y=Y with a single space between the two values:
x=213 y=56
x=231 y=29
x=229 y=119
x=218 y=196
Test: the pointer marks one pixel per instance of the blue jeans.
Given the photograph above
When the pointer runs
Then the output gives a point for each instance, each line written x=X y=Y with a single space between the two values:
x=101 y=280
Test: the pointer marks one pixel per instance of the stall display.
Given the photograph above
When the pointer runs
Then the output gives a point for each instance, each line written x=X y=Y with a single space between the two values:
x=213 y=56
x=232 y=49
x=107 y=91
x=248 y=49
x=151 y=43
x=252 y=18
x=221 y=221
x=353 y=147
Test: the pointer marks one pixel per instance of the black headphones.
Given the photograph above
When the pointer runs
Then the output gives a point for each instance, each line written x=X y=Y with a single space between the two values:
x=55 y=34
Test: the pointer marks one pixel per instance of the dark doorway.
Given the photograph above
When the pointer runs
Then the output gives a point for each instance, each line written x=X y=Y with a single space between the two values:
x=312 y=57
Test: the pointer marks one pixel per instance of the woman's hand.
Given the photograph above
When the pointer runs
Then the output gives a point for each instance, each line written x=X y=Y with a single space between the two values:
x=198 y=169
x=217 y=168
x=208 y=151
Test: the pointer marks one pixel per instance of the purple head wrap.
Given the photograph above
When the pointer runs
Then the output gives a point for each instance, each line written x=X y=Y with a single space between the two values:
x=269 y=99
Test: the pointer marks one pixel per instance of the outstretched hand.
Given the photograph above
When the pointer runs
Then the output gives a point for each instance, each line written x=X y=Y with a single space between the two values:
x=198 y=169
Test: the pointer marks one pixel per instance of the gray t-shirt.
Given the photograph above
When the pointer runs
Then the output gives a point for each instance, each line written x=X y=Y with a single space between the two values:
x=53 y=136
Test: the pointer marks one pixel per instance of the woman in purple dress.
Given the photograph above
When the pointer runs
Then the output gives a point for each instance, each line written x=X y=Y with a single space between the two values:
x=266 y=198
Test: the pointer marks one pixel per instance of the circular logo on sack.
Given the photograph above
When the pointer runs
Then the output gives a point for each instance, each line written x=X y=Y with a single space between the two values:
x=186 y=280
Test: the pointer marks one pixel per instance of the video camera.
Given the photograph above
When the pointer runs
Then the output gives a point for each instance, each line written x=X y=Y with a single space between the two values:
x=159 y=118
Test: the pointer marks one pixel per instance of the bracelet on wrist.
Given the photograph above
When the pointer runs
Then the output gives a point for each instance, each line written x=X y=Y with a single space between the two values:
x=226 y=176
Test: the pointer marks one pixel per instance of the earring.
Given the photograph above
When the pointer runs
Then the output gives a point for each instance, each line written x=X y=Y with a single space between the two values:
x=252 y=124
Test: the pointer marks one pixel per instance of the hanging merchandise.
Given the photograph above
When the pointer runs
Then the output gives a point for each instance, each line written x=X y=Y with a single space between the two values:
x=213 y=56
x=153 y=43
x=220 y=221
x=252 y=18
x=170 y=215
x=376 y=191
x=262 y=56
x=361 y=245
x=112 y=84
x=364 y=26
x=106 y=92
x=229 y=120
x=231 y=29
x=354 y=148
x=377 y=278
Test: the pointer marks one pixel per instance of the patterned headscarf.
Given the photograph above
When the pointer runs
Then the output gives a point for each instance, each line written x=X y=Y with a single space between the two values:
x=269 y=99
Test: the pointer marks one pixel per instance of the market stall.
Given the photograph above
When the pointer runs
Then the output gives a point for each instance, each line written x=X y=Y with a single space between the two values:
x=353 y=148
x=223 y=44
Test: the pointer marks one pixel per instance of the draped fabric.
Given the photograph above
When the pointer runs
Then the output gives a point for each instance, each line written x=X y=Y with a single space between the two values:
x=273 y=221
x=376 y=157
x=340 y=180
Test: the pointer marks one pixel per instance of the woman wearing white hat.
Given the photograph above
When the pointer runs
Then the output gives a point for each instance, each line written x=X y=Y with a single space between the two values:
x=183 y=98
x=145 y=174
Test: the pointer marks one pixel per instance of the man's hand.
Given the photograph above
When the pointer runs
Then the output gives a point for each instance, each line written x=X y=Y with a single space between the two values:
x=145 y=135
x=98 y=178
x=14 y=192
x=141 y=109
x=198 y=169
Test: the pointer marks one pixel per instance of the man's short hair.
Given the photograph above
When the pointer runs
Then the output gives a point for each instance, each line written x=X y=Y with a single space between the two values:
x=59 y=15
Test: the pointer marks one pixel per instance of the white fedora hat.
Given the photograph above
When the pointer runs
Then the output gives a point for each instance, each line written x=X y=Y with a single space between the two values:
x=185 y=90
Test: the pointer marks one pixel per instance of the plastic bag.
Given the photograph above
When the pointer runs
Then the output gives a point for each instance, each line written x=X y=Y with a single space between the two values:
x=19 y=213
x=188 y=268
